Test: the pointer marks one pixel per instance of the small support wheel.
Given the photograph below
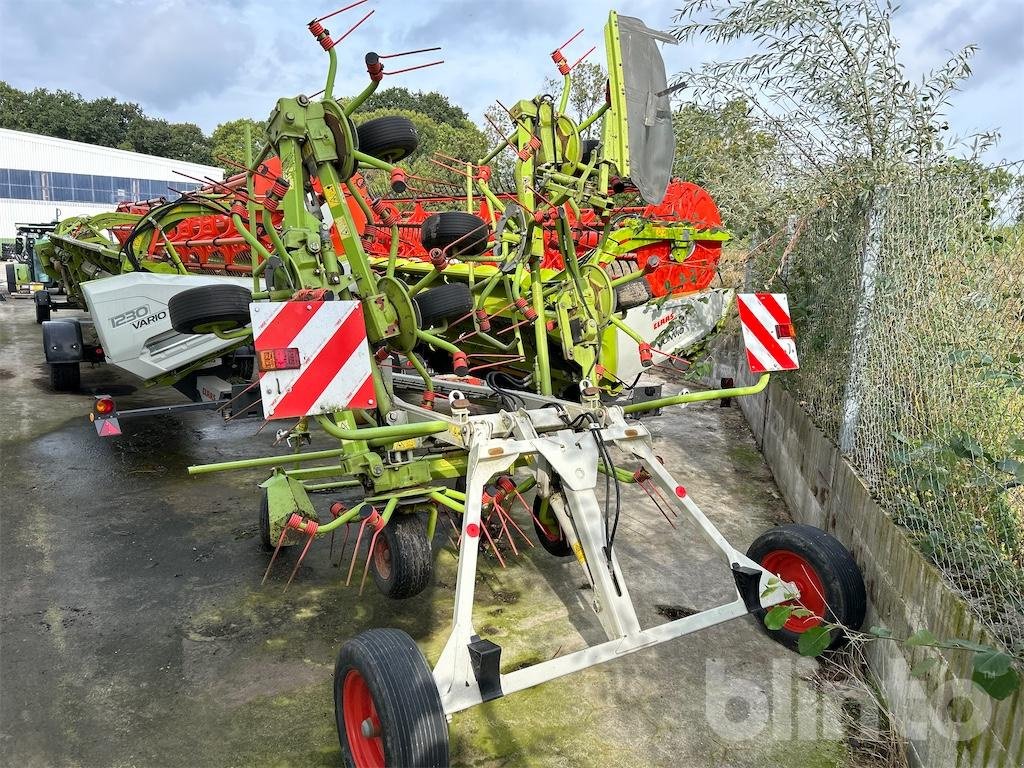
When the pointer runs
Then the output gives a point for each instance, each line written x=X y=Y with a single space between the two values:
x=446 y=302
x=386 y=705
x=267 y=542
x=588 y=147
x=388 y=138
x=42 y=312
x=553 y=540
x=403 y=561
x=456 y=232
x=726 y=382
x=210 y=308
x=634 y=293
x=829 y=580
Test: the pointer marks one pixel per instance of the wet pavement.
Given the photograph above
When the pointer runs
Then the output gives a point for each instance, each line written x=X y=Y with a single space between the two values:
x=135 y=631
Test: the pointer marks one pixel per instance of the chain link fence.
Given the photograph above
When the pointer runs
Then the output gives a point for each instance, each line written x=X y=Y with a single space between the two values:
x=909 y=310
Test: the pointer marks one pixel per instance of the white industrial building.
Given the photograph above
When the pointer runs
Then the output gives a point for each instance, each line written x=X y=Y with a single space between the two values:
x=43 y=178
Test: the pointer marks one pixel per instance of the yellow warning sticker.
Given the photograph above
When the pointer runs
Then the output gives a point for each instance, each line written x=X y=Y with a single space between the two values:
x=331 y=195
x=405 y=445
x=579 y=552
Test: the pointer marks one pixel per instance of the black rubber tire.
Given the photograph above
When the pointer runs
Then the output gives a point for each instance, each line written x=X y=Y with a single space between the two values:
x=413 y=727
x=388 y=138
x=265 y=543
x=467 y=231
x=449 y=301
x=403 y=562
x=437 y=360
x=726 y=382
x=65 y=377
x=42 y=313
x=632 y=294
x=558 y=547
x=12 y=278
x=197 y=307
x=840 y=577
x=589 y=145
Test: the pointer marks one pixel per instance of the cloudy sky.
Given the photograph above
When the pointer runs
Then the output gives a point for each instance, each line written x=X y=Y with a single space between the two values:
x=207 y=61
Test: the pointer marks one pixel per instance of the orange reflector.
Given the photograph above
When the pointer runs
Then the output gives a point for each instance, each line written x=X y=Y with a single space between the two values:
x=281 y=359
x=104 y=405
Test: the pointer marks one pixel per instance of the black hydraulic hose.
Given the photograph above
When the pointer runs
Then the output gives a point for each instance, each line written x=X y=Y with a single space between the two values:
x=148 y=222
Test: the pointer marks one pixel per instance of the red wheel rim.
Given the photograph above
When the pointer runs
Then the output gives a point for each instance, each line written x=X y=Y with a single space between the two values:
x=791 y=567
x=358 y=708
x=382 y=558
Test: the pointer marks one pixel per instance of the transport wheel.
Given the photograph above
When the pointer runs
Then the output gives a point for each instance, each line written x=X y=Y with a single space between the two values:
x=437 y=360
x=830 y=583
x=65 y=377
x=726 y=382
x=467 y=231
x=42 y=313
x=209 y=308
x=12 y=278
x=267 y=542
x=446 y=302
x=402 y=558
x=388 y=138
x=589 y=145
x=386 y=704
x=553 y=541
x=633 y=293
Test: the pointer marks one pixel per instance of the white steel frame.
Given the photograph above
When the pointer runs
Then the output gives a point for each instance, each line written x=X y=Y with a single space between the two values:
x=495 y=442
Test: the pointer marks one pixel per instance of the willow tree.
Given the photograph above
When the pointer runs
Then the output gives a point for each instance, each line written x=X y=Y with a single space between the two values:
x=827 y=81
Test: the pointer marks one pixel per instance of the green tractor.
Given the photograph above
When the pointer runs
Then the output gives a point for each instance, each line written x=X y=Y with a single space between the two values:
x=26 y=275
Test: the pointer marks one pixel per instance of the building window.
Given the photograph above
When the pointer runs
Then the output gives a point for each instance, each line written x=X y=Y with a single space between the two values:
x=57 y=186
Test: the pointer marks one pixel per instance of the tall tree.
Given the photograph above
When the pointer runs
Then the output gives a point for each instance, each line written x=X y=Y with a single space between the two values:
x=826 y=80
x=725 y=151
x=434 y=105
x=588 y=82
x=106 y=122
x=498 y=127
x=228 y=140
x=188 y=142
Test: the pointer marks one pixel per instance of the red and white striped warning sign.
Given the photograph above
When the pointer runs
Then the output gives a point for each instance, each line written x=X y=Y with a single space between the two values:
x=768 y=333
x=312 y=356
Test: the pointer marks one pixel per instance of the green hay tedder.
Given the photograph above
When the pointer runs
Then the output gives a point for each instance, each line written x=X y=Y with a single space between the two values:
x=478 y=383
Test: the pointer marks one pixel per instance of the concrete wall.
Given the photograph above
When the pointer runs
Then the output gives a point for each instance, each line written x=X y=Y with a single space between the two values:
x=905 y=591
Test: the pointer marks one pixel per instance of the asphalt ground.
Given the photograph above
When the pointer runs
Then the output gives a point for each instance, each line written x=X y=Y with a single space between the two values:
x=134 y=630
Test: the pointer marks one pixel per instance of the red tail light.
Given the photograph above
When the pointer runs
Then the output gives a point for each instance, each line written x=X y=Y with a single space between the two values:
x=282 y=359
x=785 y=331
x=104 y=405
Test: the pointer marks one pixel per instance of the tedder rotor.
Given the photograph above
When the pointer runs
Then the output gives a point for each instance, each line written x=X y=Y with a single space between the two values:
x=512 y=297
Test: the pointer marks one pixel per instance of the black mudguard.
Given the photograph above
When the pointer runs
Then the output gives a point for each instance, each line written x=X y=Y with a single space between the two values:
x=62 y=341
